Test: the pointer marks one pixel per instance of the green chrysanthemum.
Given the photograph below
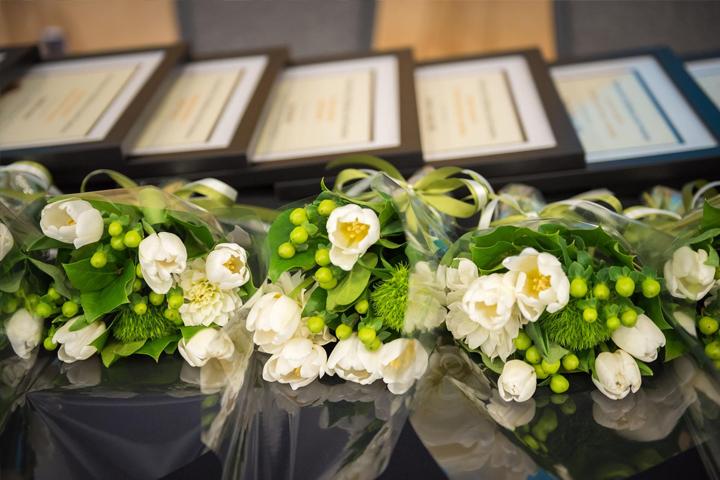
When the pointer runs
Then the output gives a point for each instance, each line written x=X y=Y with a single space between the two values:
x=389 y=298
x=130 y=327
x=568 y=329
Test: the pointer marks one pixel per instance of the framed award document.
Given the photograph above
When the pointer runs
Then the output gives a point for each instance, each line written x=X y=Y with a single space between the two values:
x=498 y=113
x=706 y=72
x=75 y=112
x=324 y=109
x=636 y=108
x=203 y=115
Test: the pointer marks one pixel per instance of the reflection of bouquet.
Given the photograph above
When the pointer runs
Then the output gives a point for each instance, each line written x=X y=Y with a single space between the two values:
x=136 y=271
x=541 y=300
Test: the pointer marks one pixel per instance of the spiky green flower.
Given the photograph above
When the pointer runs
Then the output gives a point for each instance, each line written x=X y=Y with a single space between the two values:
x=130 y=327
x=389 y=298
x=568 y=329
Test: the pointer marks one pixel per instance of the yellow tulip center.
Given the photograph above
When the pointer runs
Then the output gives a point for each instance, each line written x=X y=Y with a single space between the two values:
x=234 y=264
x=70 y=221
x=405 y=358
x=353 y=231
x=537 y=282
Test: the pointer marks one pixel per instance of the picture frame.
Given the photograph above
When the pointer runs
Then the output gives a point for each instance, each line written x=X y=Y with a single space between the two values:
x=14 y=61
x=704 y=68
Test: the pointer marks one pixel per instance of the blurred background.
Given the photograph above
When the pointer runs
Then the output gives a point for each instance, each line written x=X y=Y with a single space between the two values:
x=433 y=28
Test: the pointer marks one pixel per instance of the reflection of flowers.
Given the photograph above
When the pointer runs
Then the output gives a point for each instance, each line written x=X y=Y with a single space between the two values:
x=511 y=415
x=85 y=373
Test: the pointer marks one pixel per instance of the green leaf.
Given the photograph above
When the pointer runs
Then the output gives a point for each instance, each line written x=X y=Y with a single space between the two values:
x=674 y=346
x=711 y=216
x=155 y=348
x=706 y=235
x=56 y=274
x=280 y=233
x=353 y=285
x=99 y=342
x=116 y=350
x=539 y=338
x=95 y=304
x=10 y=281
x=388 y=244
x=86 y=278
x=555 y=353
x=198 y=230
x=189 y=332
x=494 y=365
x=645 y=371
x=316 y=303
x=47 y=243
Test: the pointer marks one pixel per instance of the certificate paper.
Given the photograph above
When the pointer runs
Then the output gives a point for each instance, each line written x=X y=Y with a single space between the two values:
x=334 y=107
x=480 y=107
x=628 y=108
x=199 y=107
x=707 y=74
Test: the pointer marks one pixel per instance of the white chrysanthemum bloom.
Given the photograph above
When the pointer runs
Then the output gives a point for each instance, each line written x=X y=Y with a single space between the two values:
x=205 y=302
x=541 y=284
x=6 y=240
x=72 y=221
x=427 y=290
x=351 y=231
x=687 y=275
x=490 y=300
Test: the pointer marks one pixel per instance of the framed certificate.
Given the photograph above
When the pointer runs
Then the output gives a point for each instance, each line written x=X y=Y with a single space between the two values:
x=14 y=61
x=327 y=108
x=498 y=113
x=638 y=107
x=706 y=72
x=203 y=115
x=73 y=114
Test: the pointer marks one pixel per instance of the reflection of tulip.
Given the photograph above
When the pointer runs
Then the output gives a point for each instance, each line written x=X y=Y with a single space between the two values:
x=617 y=374
x=511 y=415
x=517 y=381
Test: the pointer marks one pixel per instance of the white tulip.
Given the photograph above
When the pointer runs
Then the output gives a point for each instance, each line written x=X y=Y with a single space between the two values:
x=517 y=381
x=161 y=255
x=642 y=340
x=510 y=415
x=226 y=266
x=24 y=331
x=686 y=321
x=617 y=374
x=297 y=363
x=351 y=360
x=541 y=283
x=274 y=318
x=460 y=278
x=687 y=275
x=72 y=221
x=490 y=300
x=6 y=241
x=76 y=345
x=206 y=344
x=351 y=230
x=402 y=361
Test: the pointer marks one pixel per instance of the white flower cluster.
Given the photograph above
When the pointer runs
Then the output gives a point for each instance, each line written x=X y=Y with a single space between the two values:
x=299 y=357
x=487 y=311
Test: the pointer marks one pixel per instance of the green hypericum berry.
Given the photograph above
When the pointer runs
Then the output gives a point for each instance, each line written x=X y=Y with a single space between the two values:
x=49 y=345
x=708 y=325
x=550 y=367
x=625 y=286
x=629 y=318
x=156 y=299
x=570 y=362
x=578 y=287
x=70 y=309
x=53 y=294
x=613 y=323
x=712 y=350
x=366 y=335
x=137 y=285
x=532 y=355
x=298 y=216
x=33 y=299
x=374 y=345
x=322 y=257
x=601 y=291
x=10 y=305
x=299 y=235
x=362 y=307
x=173 y=315
x=315 y=324
x=559 y=384
x=140 y=308
x=132 y=239
x=138 y=271
x=590 y=314
x=117 y=243
x=43 y=310
x=324 y=275
x=98 y=259
x=343 y=332
x=326 y=207
x=286 y=250
x=650 y=288
x=540 y=372
x=522 y=341
x=328 y=285
x=175 y=301
x=115 y=228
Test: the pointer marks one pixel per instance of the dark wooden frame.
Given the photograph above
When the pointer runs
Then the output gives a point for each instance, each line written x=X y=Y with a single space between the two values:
x=17 y=60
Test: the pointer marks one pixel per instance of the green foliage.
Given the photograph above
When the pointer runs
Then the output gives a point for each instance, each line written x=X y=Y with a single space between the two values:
x=280 y=233
x=354 y=284
x=389 y=297
x=97 y=303
x=130 y=327
x=568 y=329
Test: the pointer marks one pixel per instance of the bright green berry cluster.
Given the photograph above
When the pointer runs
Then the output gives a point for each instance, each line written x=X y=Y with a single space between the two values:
x=544 y=367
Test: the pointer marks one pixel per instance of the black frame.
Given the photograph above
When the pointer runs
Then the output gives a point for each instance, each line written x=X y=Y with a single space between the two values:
x=16 y=61
x=235 y=154
x=566 y=154
x=74 y=160
x=707 y=55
